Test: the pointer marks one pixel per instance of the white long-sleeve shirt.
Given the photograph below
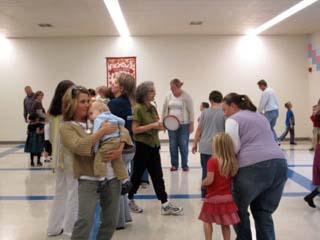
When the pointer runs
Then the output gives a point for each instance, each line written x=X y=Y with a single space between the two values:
x=232 y=128
x=268 y=101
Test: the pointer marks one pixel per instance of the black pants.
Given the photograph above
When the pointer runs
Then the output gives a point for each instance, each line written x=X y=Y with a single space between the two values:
x=35 y=154
x=148 y=158
x=48 y=147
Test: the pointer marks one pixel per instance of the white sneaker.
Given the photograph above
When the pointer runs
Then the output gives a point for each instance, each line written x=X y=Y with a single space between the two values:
x=171 y=209
x=134 y=207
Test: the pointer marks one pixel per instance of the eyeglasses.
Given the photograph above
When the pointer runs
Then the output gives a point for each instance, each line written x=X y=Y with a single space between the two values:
x=76 y=89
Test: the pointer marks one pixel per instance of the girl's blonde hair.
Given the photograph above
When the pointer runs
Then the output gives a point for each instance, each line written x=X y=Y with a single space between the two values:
x=224 y=151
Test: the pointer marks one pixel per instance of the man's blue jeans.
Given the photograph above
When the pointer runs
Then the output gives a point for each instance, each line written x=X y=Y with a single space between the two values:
x=259 y=186
x=179 y=139
x=204 y=160
x=272 y=118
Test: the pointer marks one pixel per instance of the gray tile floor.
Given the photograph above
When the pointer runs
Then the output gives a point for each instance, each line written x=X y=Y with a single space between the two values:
x=23 y=217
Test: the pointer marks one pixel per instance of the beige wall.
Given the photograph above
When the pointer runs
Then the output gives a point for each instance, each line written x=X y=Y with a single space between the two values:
x=224 y=63
x=314 y=76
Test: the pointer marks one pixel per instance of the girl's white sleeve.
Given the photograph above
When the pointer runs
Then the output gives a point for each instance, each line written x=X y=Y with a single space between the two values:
x=232 y=128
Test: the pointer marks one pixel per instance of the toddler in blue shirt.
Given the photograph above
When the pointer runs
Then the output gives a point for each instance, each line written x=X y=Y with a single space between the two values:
x=99 y=113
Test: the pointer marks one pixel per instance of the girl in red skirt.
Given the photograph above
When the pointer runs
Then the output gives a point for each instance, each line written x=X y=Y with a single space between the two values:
x=218 y=206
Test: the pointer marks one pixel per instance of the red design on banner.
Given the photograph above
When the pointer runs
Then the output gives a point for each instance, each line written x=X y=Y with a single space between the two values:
x=116 y=65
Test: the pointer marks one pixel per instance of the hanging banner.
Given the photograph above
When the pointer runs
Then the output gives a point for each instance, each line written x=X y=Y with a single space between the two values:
x=116 y=65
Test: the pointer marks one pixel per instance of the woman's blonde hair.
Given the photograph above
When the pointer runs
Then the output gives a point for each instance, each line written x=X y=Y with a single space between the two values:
x=128 y=83
x=224 y=151
x=70 y=101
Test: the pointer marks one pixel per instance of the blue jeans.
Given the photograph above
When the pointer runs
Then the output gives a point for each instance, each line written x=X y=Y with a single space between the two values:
x=284 y=134
x=204 y=160
x=259 y=186
x=145 y=177
x=179 y=139
x=272 y=118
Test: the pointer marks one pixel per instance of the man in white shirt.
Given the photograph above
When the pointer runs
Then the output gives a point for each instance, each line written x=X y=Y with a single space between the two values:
x=269 y=105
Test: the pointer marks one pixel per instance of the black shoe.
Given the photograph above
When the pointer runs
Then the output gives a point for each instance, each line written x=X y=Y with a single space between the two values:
x=309 y=198
x=120 y=228
x=293 y=143
x=311 y=149
x=310 y=201
x=126 y=187
x=32 y=164
x=39 y=164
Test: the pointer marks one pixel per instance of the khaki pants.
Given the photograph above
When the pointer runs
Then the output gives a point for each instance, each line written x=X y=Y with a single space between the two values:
x=117 y=164
x=109 y=201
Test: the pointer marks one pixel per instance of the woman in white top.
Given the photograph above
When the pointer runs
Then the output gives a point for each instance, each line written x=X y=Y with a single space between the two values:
x=180 y=104
x=64 y=208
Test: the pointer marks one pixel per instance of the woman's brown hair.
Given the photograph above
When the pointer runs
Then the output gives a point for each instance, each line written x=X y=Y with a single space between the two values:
x=176 y=82
x=243 y=102
x=128 y=83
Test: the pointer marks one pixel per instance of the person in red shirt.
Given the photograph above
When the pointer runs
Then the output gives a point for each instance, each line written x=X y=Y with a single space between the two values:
x=315 y=175
x=315 y=118
x=218 y=206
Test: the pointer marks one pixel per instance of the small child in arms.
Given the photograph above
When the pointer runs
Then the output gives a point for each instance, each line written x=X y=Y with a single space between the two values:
x=99 y=113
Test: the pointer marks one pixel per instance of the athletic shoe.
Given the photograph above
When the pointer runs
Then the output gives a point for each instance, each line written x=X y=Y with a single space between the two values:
x=171 y=209
x=55 y=234
x=134 y=207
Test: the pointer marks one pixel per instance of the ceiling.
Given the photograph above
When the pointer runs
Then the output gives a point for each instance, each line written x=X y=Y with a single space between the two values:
x=20 y=18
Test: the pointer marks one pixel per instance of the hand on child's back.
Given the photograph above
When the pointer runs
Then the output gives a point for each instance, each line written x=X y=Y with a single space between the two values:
x=108 y=128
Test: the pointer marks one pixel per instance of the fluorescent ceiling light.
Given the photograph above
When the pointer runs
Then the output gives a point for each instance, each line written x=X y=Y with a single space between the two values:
x=114 y=9
x=289 y=12
x=2 y=36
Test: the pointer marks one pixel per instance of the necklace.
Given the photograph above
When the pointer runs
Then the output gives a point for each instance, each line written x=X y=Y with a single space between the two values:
x=85 y=128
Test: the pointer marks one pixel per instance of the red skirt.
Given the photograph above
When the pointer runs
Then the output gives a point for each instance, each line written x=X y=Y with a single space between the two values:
x=219 y=209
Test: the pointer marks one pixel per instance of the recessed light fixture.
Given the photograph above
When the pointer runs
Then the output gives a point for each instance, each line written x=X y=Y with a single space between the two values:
x=195 y=23
x=115 y=11
x=45 y=25
x=289 y=12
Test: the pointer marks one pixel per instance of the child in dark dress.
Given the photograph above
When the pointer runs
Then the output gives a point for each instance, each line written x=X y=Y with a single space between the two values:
x=35 y=140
